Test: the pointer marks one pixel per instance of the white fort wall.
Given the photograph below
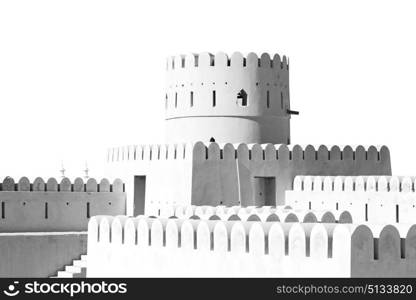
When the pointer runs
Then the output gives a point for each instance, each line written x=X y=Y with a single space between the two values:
x=251 y=213
x=374 y=199
x=226 y=174
x=49 y=206
x=202 y=98
x=167 y=170
x=142 y=247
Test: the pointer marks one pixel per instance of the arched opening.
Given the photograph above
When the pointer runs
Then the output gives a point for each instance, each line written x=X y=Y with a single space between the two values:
x=242 y=98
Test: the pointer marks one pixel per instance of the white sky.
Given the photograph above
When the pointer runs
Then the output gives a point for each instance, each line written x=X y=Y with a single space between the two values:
x=79 y=76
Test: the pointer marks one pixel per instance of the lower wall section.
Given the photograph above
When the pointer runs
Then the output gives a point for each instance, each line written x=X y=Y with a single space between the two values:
x=142 y=247
x=164 y=262
x=39 y=254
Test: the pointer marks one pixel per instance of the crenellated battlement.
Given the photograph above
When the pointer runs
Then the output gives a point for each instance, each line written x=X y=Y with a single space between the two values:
x=243 y=151
x=249 y=96
x=205 y=235
x=65 y=185
x=261 y=152
x=284 y=214
x=374 y=199
x=221 y=59
x=175 y=247
x=151 y=152
x=383 y=251
x=401 y=184
x=52 y=205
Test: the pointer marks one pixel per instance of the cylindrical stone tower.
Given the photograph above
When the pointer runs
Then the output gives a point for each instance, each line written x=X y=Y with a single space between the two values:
x=229 y=100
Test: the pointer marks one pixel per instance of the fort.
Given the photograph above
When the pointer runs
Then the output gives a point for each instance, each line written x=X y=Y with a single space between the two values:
x=226 y=193
x=249 y=96
x=227 y=139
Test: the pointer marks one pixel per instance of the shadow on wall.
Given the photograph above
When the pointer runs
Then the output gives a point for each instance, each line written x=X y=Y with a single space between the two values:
x=39 y=254
x=243 y=174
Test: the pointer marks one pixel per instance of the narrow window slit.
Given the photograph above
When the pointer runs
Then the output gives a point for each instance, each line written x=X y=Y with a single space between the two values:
x=46 y=210
x=88 y=210
x=376 y=248
x=366 y=212
x=268 y=99
x=397 y=213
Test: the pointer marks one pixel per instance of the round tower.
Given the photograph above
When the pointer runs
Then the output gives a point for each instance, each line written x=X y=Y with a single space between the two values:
x=225 y=99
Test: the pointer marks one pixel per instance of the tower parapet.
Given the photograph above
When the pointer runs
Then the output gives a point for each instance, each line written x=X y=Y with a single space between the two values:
x=233 y=99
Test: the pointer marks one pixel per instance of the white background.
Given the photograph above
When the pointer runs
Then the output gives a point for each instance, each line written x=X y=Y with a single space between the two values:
x=77 y=77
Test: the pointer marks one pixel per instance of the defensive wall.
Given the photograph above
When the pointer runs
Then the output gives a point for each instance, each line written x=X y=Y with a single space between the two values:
x=142 y=247
x=234 y=175
x=259 y=175
x=237 y=99
x=43 y=224
x=55 y=207
x=264 y=214
x=373 y=199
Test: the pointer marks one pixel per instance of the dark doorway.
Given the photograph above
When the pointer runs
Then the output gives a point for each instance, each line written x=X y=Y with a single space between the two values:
x=139 y=194
x=264 y=189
